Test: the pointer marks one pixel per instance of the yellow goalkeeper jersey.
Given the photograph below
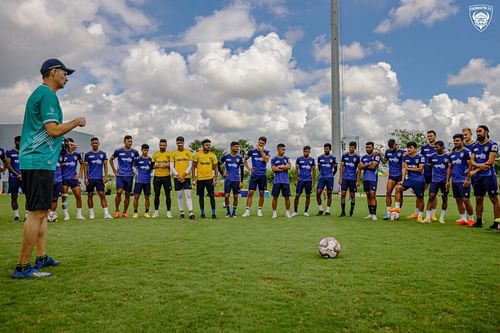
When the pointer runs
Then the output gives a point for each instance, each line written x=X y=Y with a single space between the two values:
x=161 y=160
x=204 y=162
x=181 y=160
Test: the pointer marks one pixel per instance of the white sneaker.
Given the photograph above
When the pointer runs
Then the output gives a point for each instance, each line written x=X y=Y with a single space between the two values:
x=374 y=218
x=306 y=214
x=66 y=217
x=80 y=217
x=275 y=215
x=259 y=213
x=246 y=213
x=169 y=214
x=441 y=220
x=287 y=215
x=294 y=214
x=91 y=216
x=156 y=214
x=107 y=216
x=368 y=217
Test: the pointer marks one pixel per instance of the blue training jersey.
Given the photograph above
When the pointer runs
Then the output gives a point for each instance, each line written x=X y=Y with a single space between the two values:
x=326 y=165
x=125 y=160
x=305 y=166
x=14 y=161
x=439 y=165
x=459 y=165
x=370 y=174
x=414 y=162
x=95 y=162
x=143 y=167
x=58 y=172
x=70 y=163
x=258 y=162
x=482 y=154
x=280 y=177
x=426 y=151
x=350 y=169
x=2 y=158
x=232 y=165
x=395 y=158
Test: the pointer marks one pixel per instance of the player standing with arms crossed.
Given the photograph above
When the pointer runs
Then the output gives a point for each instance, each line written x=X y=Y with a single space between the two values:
x=280 y=164
x=161 y=165
x=327 y=167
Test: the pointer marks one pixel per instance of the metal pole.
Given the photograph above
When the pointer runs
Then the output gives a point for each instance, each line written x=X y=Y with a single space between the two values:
x=335 y=75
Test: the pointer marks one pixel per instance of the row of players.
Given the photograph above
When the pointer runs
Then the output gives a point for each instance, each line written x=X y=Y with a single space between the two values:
x=432 y=168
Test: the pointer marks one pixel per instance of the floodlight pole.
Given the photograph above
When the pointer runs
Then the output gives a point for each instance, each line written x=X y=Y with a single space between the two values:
x=335 y=76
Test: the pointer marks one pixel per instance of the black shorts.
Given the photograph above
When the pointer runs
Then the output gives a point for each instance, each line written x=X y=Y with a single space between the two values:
x=201 y=185
x=164 y=181
x=186 y=185
x=38 y=186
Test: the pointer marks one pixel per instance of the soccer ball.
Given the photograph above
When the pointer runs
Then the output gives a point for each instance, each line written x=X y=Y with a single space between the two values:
x=394 y=216
x=329 y=247
x=52 y=216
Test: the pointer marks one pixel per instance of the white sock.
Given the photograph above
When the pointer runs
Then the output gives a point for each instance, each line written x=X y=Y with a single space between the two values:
x=65 y=211
x=471 y=217
x=189 y=202
x=388 y=209
x=463 y=217
x=327 y=209
x=16 y=212
x=78 y=212
x=442 y=213
x=320 y=208
x=419 y=213
x=106 y=211
x=157 y=212
x=398 y=204
x=428 y=214
x=179 y=200
x=433 y=211
x=91 y=211
x=260 y=208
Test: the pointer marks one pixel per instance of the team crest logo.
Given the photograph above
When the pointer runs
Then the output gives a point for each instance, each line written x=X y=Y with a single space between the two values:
x=485 y=149
x=480 y=16
x=461 y=154
x=101 y=156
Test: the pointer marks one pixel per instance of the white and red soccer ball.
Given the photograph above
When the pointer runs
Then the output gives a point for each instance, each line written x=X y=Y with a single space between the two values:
x=329 y=247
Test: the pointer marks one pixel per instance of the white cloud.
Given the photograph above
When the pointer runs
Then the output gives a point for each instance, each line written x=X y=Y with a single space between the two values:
x=478 y=71
x=293 y=35
x=229 y=24
x=353 y=51
x=425 y=11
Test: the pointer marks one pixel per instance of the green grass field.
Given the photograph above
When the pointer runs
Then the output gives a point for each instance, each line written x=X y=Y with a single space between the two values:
x=255 y=275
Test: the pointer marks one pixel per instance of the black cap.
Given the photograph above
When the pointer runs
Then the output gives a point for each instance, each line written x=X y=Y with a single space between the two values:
x=54 y=63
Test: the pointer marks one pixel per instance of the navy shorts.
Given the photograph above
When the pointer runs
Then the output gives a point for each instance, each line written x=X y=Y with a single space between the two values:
x=369 y=185
x=258 y=181
x=417 y=187
x=396 y=179
x=283 y=188
x=348 y=184
x=485 y=184
x=71 y=183
x=460 y=191
x=57 y=191
x=142 y=187
x=306 y=185
x=124 y=183
x=14 y=185
x=232 y=185
x=97 y=184
x=325 y=182
x=436 y=187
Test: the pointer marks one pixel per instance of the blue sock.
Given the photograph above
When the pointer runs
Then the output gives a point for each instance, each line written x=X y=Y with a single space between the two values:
x=203 y=212
x=228 y=209
x=234 y=210
x=213 y=211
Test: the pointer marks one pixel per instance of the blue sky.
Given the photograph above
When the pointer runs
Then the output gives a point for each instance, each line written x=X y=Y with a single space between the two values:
x=242 y=68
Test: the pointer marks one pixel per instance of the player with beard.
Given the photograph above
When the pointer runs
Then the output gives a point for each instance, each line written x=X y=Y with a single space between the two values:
x=204 y=172
x=72 y=159
x=161 y=165
x=259 y=156
x=427 y=150
x=484 y=153
x=441 y=174
x=460 y=179
x=96 y=176
x=394 y=156
x=349 y=177
x=327 y=167
x=369 y=164
x=233 y=174
x=305 y=172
